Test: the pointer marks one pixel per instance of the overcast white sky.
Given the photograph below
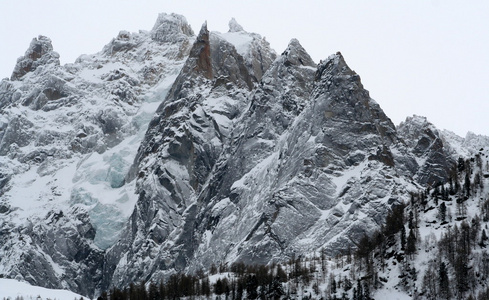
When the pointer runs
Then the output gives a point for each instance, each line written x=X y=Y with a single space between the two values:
x=423 y=57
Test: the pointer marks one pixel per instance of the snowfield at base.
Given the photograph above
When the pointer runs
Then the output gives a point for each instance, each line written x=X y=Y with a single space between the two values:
x=12 y=289
x=391 y=294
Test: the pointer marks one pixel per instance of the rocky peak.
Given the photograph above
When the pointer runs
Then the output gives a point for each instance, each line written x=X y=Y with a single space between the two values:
x=234 y=26
x=197 y=68
x=294 y=67
x=334 y=65
x=427 y=144
x=171 y=28
x=347 y=100
x=295 y=54
x=202 y=51
x=40 y=52
x=418 y=133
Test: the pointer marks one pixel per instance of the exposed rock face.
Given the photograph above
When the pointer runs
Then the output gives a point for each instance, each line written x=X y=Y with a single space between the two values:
x=171 y=28
x=181 y=147
x=167 y=152
x=432 y=153
x=289 y=170
x=311 y=162
x=40 y=53
x=57 y=250
x=68 y=135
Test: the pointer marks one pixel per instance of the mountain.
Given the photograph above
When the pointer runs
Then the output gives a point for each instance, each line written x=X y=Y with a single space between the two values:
x=68 y=137
x=168 y=152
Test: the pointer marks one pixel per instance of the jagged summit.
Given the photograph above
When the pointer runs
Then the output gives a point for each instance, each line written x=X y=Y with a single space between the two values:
x=40 y=52
x=295 y=54
x=171 y=28
x=57 y=117
x=234 y=26
x=415 y=119
x=335 y=65
x=133 y=163
x=203 y=29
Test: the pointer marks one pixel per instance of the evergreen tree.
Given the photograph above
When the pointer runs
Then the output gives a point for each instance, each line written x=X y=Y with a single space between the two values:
x=451 y=190
x=133 y=291
x=282 y=276
x=483 y=238
x=162 y=289
x=347 y=285
x=410 y=220
x=153 y=292
x=443 y=282
x=411 y=243
x=206 y=287
x=142 y=293
x=332 y=284
x=403 y=238
x=103 y=296
x=429 y=282
x=276 y=289
x=218 y=287
x=359 y=289
x=442 y=212
x=251 y=286
x=467 y=184
x=460 y=165
x=366 y=291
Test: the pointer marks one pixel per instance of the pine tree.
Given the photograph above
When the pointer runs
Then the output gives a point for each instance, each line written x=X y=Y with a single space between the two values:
x=411 y=243
x=282 y=276
x=162 y=289
x=483 y=238
x=103 y=296
x=443 y=282
x=359 y=289
x=218 y=287
x=276 y=289
x=366 y=291
x=410 y=220
x=467 y=184
x=442 y=212
x=153 y=293
x=429 y=282
x=251 y=286
x=205 y=287
x=403 y=238
x=451 y=191
x=332 y=284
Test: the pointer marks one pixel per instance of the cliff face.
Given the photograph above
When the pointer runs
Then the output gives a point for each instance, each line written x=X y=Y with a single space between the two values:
x=236 y=167
x=68 y=136
x=167 y=152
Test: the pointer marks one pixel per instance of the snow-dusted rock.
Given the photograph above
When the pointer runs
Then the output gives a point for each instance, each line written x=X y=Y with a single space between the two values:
x=40 y=53
x=176 y=159
x=68 y=137
x=434 y=155
x=167 y=152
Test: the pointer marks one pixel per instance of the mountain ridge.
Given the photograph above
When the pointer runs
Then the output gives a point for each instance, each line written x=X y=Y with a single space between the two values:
x=166 y=140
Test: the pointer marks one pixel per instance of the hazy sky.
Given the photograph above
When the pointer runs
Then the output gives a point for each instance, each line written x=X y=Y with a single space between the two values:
x=423 y=57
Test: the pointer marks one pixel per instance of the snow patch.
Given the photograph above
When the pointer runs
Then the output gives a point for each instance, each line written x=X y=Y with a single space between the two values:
x=12 y=289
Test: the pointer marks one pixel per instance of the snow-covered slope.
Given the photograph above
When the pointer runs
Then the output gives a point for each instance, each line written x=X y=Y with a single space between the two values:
x=11 y=289
x=69 y=135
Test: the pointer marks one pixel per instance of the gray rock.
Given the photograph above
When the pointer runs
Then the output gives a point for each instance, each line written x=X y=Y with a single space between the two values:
x=40 y=53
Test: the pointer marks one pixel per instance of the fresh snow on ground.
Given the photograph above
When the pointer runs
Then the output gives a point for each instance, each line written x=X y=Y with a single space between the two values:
x=12 y=289
x=391 y=294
